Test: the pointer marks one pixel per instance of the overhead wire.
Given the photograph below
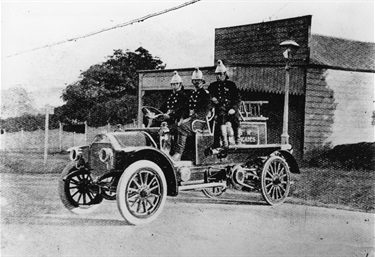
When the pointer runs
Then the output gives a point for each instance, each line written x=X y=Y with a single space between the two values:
x=279 y=10
x=106 y=29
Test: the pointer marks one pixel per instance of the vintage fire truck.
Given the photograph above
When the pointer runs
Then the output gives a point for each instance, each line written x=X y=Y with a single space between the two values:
x=133 y=166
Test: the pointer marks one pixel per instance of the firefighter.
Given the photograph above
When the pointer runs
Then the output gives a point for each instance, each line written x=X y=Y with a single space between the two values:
x=199 y=107
x=226 y=99
x=176 y=106
x=175 y=109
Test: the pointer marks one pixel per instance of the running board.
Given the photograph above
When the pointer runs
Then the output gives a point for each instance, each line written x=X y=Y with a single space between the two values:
x=201 y=186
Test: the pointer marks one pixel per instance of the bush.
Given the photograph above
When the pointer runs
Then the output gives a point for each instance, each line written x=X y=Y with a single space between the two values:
x=360 y=156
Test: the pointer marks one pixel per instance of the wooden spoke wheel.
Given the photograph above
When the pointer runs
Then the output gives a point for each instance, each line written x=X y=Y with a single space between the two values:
x=77 y=191
x=275 y=180
x=141 y=192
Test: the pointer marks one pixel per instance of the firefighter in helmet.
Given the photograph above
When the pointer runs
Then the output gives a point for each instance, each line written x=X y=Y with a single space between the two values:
x=226 y=99
x=175 y=107
x=199 y=107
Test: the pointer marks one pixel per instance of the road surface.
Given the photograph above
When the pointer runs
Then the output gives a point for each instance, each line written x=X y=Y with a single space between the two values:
x=35 y=223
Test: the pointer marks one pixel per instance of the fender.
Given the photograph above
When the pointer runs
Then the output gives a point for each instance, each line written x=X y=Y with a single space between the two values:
x=293 y=165
x=161 y=159
x=74 y=173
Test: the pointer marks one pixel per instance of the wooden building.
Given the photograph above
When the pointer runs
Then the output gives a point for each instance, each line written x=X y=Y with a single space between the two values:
x=331 y=82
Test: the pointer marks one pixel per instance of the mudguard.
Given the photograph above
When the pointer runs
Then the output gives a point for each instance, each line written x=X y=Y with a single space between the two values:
x=293 y=165
x=161 y=159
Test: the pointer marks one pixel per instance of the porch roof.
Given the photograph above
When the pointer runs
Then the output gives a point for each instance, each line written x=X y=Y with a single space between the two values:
x=247 y=78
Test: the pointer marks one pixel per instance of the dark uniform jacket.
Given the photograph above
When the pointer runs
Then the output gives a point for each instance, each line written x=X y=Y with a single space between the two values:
x=177 y=103
x=227 y=95
x=199 y=102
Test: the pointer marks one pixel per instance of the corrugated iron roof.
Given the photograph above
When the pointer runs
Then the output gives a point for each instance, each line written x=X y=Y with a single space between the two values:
x=267 y=79
x=342 y=53
x=246 y=77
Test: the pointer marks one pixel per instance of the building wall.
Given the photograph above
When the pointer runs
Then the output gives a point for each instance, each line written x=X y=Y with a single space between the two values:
x=260 y=43
x=338 y=110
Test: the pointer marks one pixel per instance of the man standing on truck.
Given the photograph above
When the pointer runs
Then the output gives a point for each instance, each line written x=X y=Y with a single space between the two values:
x=226 y=99
x=199 y=107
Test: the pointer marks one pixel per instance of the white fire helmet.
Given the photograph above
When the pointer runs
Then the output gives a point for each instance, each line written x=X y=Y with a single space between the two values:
x=220 y=67
x=176 y=78
x=197 y=74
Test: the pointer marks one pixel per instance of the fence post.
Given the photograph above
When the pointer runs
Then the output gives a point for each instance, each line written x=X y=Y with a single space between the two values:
x=60 y=136
x=49 y=110
x=85 y=132
x=22 y=138
x=3 y=140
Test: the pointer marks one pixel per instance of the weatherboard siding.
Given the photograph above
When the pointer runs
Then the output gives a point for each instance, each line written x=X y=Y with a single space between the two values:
x=260 y=43
x=338 y=109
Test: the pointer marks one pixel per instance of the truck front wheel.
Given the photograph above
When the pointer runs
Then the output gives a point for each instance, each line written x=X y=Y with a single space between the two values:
x=141 y=192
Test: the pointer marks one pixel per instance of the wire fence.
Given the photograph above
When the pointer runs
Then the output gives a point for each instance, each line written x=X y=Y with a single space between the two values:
x=58 y=140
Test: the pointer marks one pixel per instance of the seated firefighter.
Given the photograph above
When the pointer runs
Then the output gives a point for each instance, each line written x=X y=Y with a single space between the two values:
x=176 y=105
x=226 y=99
x=199 y=107
x=175 y=109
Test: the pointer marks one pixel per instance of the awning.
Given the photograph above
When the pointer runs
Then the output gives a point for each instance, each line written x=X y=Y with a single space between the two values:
x=267 y=79
x=247 y=78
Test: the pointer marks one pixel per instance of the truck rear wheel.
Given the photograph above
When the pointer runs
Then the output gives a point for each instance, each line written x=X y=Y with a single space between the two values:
x=275 y=180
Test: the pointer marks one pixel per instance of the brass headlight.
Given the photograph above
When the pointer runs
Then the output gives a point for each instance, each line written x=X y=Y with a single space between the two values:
x=75 y=154
x=105 y=154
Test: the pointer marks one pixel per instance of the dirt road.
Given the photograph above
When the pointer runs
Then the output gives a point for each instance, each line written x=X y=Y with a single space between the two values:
x=34 y=223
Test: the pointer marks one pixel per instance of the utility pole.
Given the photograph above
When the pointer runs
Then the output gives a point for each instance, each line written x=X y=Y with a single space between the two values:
x=49 y=110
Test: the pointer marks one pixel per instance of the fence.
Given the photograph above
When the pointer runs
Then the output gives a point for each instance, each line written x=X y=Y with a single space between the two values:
x=58 y=140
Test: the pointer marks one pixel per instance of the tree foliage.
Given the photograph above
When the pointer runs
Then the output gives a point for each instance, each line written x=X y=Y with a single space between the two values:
x=28 y=122
x=106 y=92
x=15 y=102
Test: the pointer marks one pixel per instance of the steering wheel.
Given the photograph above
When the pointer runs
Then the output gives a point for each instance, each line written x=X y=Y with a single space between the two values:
x=151 y=114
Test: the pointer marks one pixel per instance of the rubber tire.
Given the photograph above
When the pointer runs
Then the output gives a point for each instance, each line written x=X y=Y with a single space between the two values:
x=63 y=191
x=266 y=195
x=125 y=182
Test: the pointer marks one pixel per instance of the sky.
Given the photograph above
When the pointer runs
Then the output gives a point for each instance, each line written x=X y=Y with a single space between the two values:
x=180 y=38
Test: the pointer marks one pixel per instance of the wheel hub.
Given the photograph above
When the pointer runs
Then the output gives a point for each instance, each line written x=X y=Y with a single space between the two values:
x=83 y=186
x=144 y=192
x=276 y=180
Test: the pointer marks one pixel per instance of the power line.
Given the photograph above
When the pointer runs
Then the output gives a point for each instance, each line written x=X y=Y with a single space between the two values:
x=278 y=10
x=106 y=29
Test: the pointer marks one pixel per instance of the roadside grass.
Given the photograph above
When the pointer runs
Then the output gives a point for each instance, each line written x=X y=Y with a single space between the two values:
x=354 y=189
x=331 y=187
x=32 y=163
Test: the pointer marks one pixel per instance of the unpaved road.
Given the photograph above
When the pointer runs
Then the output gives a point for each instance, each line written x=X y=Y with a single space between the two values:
x=34 y=223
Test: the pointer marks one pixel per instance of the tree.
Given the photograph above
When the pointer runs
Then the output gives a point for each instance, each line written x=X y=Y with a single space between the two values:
x=15 y=102
x=28 y=122
x=106 y=92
